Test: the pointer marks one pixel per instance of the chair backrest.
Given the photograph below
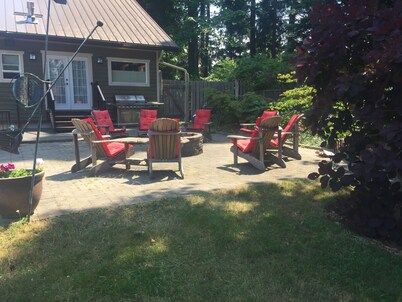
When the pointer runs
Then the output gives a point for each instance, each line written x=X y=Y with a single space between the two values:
x=269 y=113
x=265 y=114
x=102 y=117
x=267 y=128
x=147 y=117
x=89 y=132
x=290 y=127
x=202 y=116
x=164 y=139
x=292 y=121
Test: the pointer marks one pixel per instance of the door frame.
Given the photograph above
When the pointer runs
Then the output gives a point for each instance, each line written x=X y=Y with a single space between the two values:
x=88 y=58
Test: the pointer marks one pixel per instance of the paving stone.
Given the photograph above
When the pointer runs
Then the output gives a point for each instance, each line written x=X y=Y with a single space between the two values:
x=212 y=170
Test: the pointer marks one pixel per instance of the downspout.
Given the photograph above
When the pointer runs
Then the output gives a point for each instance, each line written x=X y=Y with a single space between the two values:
x=186 y=88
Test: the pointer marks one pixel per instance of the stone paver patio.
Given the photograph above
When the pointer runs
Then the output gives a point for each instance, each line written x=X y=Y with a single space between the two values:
x=213 y=170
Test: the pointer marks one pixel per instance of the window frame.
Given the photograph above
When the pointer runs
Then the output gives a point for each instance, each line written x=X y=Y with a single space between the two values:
x=20 y=55
x=125 y=60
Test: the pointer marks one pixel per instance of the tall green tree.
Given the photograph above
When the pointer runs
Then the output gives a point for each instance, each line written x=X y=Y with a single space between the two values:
x=166 y=13
x=205 y=23
x=297 y=21
x=193 y=35
x=270 y=26
x=253 y=47
x=234 y=22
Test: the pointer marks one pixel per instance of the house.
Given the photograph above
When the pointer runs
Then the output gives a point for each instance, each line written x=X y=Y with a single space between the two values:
x=122 y=56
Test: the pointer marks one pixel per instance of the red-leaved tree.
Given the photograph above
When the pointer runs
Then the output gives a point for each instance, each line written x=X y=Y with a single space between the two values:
x=353 y=58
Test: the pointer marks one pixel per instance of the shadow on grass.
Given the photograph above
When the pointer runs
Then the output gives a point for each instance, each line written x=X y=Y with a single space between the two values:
x=258 y=243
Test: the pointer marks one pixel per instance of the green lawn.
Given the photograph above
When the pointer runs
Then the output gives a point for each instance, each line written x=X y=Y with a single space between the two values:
x=259 y=243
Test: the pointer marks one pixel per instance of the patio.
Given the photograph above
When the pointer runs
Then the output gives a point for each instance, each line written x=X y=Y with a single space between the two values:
x=65 y=193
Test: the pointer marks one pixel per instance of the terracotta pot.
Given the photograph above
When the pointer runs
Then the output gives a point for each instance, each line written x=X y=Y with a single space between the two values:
x=14 y=195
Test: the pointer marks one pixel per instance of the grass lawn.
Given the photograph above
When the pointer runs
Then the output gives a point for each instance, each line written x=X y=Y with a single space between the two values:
x=258 y=243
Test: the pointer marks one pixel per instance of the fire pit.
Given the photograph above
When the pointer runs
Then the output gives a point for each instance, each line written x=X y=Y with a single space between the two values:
x=193 y=145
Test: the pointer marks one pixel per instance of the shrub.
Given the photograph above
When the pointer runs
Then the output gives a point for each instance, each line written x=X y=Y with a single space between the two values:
x=223 y=71
x=251 y=106
x=260 y=72
x=296 y=100
x=224 y=108
x=353 y=60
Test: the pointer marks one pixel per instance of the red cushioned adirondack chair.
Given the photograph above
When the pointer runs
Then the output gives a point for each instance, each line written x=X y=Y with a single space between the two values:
x=291 y=130
x=248 y=128
x=147 y=116
x=105 y=124
x=110 y=152
x=257 y=149
x=164 y=143
x=201 y=123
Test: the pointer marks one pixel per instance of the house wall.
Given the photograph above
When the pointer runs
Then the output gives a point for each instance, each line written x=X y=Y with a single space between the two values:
x=99 y=71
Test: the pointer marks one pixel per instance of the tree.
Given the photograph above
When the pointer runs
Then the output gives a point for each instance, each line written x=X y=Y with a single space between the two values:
x=253 y=47
x=233 y=18
x=193 y=29
x=353 y=59
x=270 y=26
x=205 y=20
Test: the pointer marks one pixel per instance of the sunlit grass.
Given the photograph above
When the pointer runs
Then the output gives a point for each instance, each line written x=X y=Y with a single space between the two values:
x=258 y=243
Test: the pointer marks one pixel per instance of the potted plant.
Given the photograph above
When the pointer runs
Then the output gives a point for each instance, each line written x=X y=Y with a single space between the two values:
x=15 y=185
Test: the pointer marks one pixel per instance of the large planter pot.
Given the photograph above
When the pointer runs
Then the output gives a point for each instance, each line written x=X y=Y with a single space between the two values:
x=14 y=195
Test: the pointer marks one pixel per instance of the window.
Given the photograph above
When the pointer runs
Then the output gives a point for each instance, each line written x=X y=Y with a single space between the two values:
x=126 y=72
x=10 y=65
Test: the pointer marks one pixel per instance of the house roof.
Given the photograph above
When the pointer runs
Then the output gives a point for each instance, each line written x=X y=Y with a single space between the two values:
x=125 y=22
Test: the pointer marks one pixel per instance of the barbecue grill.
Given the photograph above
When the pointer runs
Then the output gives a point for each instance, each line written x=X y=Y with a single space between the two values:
x=129 y=106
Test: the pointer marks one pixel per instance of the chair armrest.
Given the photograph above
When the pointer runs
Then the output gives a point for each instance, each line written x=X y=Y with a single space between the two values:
x=105 y=127
x=233 y=136
x=151 y=132
x=118 y=130
x=76 y=131
x=247 y=124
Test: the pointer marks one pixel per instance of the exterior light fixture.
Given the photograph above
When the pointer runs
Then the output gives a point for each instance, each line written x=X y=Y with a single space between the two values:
x=99 y=60
x=32 y=56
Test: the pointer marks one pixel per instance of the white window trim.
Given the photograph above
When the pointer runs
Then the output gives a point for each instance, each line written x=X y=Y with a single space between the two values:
x=21 y=62
x=69 y=55
x=125 y=60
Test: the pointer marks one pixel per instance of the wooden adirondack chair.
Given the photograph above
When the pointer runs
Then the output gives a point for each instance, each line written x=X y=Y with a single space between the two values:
x=164 y=143
x=257 y=149
x=147 y=116
x=105 y=124
x=109 y=152
x=291 y=131
x=201 y=123
x=249 y=127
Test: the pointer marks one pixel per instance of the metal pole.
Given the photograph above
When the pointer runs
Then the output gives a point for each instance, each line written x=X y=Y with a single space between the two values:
x=98 y=24
x=186 y=96
x=46 y=39
x=186 y=88
x=40 y=115
x=34 y=164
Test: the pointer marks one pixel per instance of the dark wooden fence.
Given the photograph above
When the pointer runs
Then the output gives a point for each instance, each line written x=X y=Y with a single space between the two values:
x=173 y=95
